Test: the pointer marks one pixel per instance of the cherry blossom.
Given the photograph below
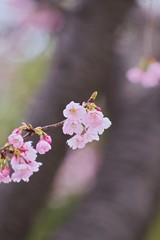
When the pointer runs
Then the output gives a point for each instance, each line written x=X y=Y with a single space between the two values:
x=83 y=122
x=147 y=74
x=78 y=141
x=4 y=175
x=43 y=146
x=21 y=174
x=86 y=122
x=28 y=152
x=94 y=118
x=23 y=168
x=16 y=140
x=74 y=111
x=72 y=126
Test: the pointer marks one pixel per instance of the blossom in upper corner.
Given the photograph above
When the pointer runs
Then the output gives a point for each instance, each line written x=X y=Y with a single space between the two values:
x=147 y=73
x=86 y=126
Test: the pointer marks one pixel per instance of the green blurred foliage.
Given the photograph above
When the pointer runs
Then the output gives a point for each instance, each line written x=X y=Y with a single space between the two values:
x=13 y=101
x=154 y=230
x=51 y=219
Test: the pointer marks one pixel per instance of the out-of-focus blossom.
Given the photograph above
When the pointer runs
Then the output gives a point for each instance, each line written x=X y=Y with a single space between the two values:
x=26 y=28
x=147 y=74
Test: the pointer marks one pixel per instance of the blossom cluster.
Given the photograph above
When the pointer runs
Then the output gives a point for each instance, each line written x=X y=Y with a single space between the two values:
x=86 y=122
x=23 y=162
x=18 y=156
x=147 y=73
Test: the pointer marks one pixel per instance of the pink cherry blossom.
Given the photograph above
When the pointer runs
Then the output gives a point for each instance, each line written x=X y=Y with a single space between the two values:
x=74 y=111
x=46 y=137
x=155 y=68
x=23 y=169
x=28 y=152
x=134 y=75
x=149 y=80
x=94 y=118
x=149 y=77
x=4 y=179
x=27 y=146
x=43 y=146
x=72 y=126
x=21 y=174
x=18 y=163
x=90 y=135
x=16 y=140
x=77 y=141
x=4 y=175
x=106 y=123
x=34 y=166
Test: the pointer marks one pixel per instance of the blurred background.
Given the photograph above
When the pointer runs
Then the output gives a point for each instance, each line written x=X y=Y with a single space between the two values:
x=28 y=36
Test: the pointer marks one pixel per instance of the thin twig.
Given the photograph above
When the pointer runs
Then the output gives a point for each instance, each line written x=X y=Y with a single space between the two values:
x=32 y=132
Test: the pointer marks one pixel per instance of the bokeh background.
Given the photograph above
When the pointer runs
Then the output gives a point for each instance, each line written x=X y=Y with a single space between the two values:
x=28 y=36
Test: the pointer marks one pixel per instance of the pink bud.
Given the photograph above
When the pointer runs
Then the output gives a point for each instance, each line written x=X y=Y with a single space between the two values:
x=16 y=140
x=43 y=146
x=46 y=138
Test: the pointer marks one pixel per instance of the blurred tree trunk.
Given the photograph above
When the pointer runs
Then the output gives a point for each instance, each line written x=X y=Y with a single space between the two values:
x=121 y=204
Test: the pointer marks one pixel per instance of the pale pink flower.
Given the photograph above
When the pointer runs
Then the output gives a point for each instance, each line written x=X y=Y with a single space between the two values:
x=74 y=111
x=149 y=80
x=16 y=140
x=149 y=77
x=21 y=174
x=28 y=152
x=155 y=68
x=23 y=169
x=94 y=118
x=27 y=146
x=18 y=163
x=90 y=135
x=134 y=75
x=4 y=175
x=34 y=166
x=4 y=179
x=77 y=141
x=29 y=155
x=43 y=146
x=6 y=171
x=106 y=123
x=72 y=126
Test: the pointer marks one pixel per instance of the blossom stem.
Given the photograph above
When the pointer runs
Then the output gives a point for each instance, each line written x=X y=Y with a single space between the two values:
x=55 y=125
x=31 y=133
